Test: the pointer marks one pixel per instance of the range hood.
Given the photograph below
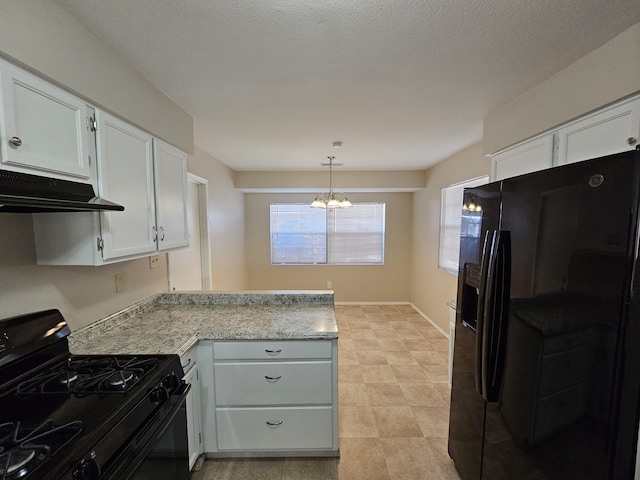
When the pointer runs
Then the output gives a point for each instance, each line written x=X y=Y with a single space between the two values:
x=26 y=193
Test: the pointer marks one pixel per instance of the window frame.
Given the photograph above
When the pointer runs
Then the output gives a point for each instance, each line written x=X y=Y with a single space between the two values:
x=451 y=197
x=329 y=235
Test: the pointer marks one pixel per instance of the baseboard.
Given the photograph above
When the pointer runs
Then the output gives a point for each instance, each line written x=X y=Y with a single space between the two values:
x=372 y=303
x=420 y=312
x=435 y=325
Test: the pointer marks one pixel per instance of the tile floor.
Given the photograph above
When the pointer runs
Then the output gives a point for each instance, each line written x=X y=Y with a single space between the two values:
x=393 y=404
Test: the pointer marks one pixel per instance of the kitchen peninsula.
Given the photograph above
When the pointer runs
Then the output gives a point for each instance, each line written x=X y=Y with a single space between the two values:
x=267 y=363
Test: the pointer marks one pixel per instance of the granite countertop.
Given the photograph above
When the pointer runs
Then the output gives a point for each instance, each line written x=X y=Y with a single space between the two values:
x=174 y=322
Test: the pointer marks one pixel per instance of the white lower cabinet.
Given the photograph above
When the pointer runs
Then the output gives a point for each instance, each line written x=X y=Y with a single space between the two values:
x=194 y=421
x=271 y=398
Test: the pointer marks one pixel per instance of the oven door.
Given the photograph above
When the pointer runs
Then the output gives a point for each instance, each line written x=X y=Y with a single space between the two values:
x=161 y=449
x=169 y=454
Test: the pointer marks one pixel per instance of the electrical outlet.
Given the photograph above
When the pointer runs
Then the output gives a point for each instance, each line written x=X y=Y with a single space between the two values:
x=329 y=284
x=154 y=261
x=121 y=282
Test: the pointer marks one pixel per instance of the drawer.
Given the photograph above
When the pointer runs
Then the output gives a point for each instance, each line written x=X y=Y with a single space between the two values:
x=273 y=383
x=557 y=411
x=566 y=341
x=272 y=350
x=559 y=370
x=274 y=428
x=188 y=360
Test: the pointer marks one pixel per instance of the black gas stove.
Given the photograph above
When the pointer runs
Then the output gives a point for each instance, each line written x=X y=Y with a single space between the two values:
x=87 y=417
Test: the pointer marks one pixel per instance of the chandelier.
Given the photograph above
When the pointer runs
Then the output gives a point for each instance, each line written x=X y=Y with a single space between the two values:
x=331 y=200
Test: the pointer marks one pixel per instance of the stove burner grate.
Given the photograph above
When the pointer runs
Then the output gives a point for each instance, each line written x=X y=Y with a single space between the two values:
x=87 y=375
x=22 y=449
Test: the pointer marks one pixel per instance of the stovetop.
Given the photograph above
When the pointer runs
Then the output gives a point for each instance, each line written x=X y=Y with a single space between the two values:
x=56 y=408
x=53 y=417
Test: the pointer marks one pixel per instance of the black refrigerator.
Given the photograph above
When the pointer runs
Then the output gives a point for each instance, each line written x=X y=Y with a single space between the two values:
x=546 y=367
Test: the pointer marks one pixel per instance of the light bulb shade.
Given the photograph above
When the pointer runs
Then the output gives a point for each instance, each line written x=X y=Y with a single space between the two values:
x=333 y=202
x=318 y=202
x=345 y=203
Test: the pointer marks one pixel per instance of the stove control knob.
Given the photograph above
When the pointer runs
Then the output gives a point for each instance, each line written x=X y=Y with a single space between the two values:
x=159 y=395
x=171 y=382
x=87 y=470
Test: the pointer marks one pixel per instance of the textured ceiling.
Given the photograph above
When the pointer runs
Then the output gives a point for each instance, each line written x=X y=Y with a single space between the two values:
x=403 y=83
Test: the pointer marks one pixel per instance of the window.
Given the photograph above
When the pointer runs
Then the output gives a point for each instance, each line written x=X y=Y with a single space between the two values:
x=450 y=221
x=345 y=236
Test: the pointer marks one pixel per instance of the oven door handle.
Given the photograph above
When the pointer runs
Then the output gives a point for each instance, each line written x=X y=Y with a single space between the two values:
x=125 y=464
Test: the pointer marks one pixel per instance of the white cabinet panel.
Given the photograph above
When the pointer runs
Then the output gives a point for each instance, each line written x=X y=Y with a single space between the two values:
x=194 y=422
x=171 y=196
x=530 y=156
x=125 y=176
x=275 y=428
x=273 y=383
x=43 y=130
x=608 y=131
x=272 y=350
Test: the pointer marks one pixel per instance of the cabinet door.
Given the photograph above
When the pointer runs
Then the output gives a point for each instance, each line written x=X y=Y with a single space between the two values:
x=171 y=196
x=42 y=128
x=612 y=130
x=194 y=429
x=125 y=175
x=531 y=156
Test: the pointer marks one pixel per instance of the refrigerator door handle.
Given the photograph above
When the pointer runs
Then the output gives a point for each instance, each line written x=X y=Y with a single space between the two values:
x=487 y=246
x=495 y=320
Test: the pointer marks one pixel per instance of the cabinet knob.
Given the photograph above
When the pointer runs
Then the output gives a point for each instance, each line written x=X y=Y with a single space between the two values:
x=273 y=352
x=274 y=424
x=631 y=141
x=273 y=378
x=161 y=234
x=15 y=141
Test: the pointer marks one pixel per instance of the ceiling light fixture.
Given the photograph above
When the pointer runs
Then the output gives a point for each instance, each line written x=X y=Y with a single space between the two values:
x=331 y=200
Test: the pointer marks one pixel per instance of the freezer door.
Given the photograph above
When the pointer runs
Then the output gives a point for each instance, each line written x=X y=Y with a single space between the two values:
x=466 y=423
x=572 y=244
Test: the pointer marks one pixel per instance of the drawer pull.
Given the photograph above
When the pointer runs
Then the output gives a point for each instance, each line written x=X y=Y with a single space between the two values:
x=270 y=378
x=274 y=424
x=273 y=352
x=186 y=364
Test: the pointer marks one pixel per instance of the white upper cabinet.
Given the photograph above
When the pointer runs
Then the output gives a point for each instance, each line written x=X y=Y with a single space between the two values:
x=611 y=130
x=147 y=177
x=125 y=176
x=170 y=174
x=43 y=130
x=530 y=156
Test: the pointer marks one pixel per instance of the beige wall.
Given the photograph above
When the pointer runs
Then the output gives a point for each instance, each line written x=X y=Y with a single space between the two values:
x=82 y=294
x=384 y=283
x=226 y=222
x=41 y=35
x=601 y=77
x=432 y=287
x=354 y=181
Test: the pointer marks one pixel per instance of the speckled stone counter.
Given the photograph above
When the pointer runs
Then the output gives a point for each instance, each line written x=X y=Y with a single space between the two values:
x=174 y=322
